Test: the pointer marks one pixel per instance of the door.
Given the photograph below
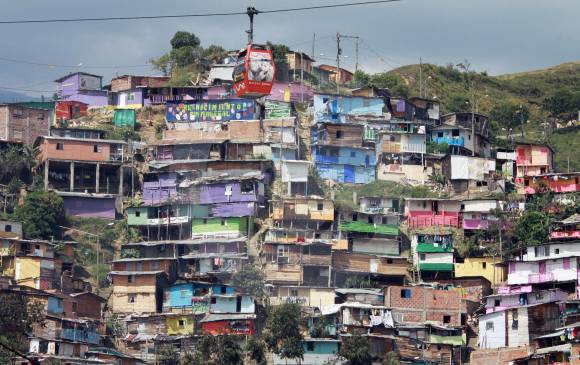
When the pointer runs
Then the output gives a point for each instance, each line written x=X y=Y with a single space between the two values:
x=122 y=99
x=542 y=267
x=349 y=174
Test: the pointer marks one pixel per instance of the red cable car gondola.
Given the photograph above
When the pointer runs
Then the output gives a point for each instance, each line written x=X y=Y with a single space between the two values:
x=254 y=72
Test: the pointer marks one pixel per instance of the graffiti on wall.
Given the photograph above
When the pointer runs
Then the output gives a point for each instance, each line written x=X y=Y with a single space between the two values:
x=210 y=111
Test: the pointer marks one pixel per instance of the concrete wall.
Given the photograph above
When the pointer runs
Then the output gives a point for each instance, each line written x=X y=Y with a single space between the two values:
x=492 y=330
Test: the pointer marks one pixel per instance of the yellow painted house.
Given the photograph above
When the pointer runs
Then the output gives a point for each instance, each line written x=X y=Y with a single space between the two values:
x=182 y=324
x=482 y=267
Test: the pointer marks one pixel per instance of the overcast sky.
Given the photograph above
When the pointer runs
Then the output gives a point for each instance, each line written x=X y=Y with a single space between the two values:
x=499 y=36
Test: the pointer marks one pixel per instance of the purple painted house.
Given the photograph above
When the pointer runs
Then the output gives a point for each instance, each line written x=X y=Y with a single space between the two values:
x=237 y=196
x=84 y=87
x=89 y=205
x=159 y=188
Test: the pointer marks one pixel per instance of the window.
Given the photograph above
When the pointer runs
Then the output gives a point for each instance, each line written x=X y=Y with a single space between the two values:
x=131 y=298
x=8 y=228
x=224 y=222
x=40 y=116
x=392 y=138
x=60 y=146
x=406 y=293
x=310 y=346
x=181 y=323
x=204 y=221
x=556 y=250
x=370 y=219
x=97 y=148
x=515 y=322
x=422 y=257
x=293 y=292
x=497 y=303
x=339 y=134
x=320 y=206
x=424 y=204
x=455 y=132
x=352 y=154
x=446 y=319
x=17 y=113
x=542 y=251
x=131 y=96
x=247 y=187
x=131 y=278
x=355 y=217
x=439 y=134
x=213 y=300
x=489 y=326
x=137 y=213
x=484 y=265
x=389 y=261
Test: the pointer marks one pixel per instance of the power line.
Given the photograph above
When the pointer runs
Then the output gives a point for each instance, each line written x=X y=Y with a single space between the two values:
x=55 y=65
x=173 y=16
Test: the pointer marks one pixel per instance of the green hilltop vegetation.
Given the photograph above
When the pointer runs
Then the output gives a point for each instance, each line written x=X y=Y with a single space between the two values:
x=543 y=99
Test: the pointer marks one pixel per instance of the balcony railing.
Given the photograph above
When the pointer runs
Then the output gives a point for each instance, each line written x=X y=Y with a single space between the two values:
x=429 y=221
x=540 y=278
x=452 y=141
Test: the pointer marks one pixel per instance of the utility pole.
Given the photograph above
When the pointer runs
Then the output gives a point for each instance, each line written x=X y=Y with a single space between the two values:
x=420 y=77
x=313 y=43
x=301 y=76
x=356 y=57
x=338 y=53
x=465 y=67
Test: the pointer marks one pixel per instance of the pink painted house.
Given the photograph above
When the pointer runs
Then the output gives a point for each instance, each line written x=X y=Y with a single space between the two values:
x=532 y=160
x=429 y=212
x=567 y=229
x=499 y=302
x=548 y=263
x=557 y=183
x=478 y=214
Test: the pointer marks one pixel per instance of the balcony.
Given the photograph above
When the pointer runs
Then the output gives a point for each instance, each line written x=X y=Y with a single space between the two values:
x=430 y=221
x=540 y=278
x=565 y=235
x=165 y=221
x=452 y=141
x=475 y=224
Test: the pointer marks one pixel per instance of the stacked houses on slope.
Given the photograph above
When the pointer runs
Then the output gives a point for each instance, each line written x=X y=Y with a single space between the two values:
x=228 y=187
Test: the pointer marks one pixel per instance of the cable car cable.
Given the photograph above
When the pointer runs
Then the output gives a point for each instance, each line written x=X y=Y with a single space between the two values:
x=148 y=17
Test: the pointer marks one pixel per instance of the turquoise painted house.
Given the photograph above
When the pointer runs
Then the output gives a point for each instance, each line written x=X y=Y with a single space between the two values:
x=316 y=351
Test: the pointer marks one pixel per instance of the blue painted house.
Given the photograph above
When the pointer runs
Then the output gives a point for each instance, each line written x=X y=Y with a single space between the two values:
x=340 y=153
x=204 y=298
x=338 y=109
x=316 y=351
x=55 y=305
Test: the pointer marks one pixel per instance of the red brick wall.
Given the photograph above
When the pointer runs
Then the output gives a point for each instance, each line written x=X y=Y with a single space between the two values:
x=24 y=124
x=502 y=356
x=132 y=82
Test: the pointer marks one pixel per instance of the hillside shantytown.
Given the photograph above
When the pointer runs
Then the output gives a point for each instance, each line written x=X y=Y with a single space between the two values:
x=328 y=221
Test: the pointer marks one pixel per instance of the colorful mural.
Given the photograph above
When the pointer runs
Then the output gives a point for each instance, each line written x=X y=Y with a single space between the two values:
x=210 y=111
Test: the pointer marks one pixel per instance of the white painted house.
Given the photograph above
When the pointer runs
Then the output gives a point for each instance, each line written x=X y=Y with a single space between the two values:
x=518 y=326
x=557 y=262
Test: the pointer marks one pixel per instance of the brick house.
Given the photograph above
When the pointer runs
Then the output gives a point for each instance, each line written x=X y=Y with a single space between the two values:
x=418 y=304
x=22 y=124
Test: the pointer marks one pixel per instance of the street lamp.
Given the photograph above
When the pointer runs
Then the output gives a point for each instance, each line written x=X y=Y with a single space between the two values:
x=98 y=236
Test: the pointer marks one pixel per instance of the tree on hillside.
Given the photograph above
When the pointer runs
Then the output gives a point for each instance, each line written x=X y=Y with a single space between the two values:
x=533 y=228
x=562 y=103
x=214 y=53
x=360 y=79
x=279 y=52
x=457 y=103
x=391 y=358
x=17 y=161
x=283 y=333
x=394 y=83
x=41 y=213
x=183 y=60
x=355 y=350
x=509 y=114
x=256 y=351
x=215 y=350
x=184 y=39
x=250 y=280
x=18 y=315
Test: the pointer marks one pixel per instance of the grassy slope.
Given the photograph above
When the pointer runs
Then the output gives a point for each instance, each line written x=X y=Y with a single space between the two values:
x=523 y=88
